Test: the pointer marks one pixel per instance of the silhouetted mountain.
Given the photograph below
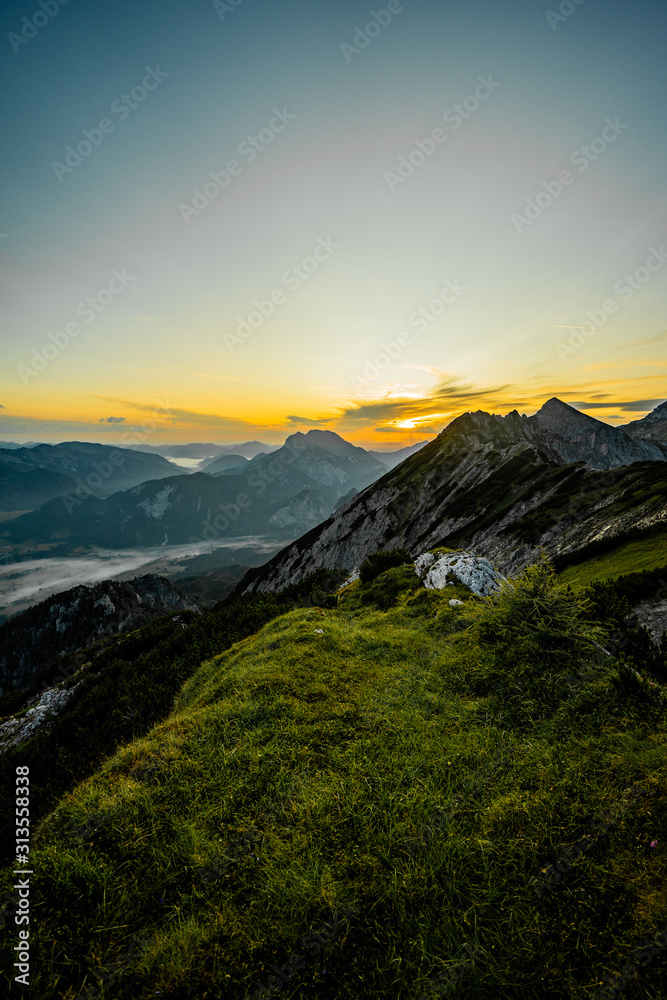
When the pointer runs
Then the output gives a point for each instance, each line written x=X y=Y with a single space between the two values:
x=393 y=458
x=30 y=477
x=223 y=463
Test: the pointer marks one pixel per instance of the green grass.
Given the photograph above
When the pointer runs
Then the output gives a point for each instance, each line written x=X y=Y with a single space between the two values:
x=421 y=765
x=631 y=557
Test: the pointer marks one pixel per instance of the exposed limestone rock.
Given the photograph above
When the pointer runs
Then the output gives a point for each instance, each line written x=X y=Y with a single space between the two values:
x=652 y=614
x=474 y=572
x=303 y=511
x=16 y=731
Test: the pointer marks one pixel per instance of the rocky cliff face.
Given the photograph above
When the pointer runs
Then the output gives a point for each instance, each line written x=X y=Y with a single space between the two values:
x=304 y=511
x=75 y=619
x=566 y=435
x=652 y=427
x=501 y=487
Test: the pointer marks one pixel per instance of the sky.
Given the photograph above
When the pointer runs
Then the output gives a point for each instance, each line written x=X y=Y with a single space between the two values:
x=231 y=221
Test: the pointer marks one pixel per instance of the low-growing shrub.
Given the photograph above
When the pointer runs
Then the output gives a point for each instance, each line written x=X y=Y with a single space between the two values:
x=531 y=633
x=383 y=592
x=378 y=562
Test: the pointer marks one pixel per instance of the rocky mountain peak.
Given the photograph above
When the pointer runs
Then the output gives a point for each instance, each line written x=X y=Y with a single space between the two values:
x=323 y=440
x=567 y=435
x=559 y=416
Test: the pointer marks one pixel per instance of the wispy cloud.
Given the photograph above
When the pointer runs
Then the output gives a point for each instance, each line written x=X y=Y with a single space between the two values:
x=447 y=400
x=294 y=420
x=177 y=415
x=422 y=429
x=613 y=329
x=645 y=341
x=635 y=405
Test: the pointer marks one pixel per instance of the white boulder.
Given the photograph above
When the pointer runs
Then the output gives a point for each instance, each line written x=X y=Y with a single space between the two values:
x=475 y=572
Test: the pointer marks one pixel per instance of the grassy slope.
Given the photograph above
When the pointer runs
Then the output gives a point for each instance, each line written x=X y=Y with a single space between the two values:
x=630 y=557
x=393 y=763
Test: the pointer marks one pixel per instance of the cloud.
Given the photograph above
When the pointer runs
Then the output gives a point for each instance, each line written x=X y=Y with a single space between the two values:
x=112 y=420
x=636 y=405
x=175 y=415
x=658 y=339
x=34 y=425
x=422 y=429
x=186 y=371
x=448 y=398
x=294 y=420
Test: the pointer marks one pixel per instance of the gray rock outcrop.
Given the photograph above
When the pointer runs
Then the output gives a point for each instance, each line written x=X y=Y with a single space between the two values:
x=18 y=730
x=473 y=571
x=302 y=512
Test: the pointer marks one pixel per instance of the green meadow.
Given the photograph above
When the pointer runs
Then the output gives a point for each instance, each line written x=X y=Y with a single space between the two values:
x=394 y=797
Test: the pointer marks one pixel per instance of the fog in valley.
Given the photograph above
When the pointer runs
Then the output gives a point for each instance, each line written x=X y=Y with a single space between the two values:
x=23 y=584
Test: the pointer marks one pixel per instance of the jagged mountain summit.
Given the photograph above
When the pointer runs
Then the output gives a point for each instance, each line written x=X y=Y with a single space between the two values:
x=570 y=436
x=562 y=434
x=500 y=486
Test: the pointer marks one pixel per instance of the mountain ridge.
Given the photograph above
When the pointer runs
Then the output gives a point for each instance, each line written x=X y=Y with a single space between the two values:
x=199 y=506
x=77 y=618
x=32 y=476
x=496 y=485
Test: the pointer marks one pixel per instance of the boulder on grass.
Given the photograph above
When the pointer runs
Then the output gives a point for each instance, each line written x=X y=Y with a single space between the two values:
x=465 y=567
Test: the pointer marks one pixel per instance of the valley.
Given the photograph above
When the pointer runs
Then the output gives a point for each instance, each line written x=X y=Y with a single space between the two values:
x=31 y=580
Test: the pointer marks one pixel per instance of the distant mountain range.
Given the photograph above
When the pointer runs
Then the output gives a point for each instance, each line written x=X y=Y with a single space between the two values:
x=206 y=451
x=316 y=480
x=223 y=464
x=284 y=494
x=31 y=476
x=393 y=458
x=12 y=445
x=500 y=486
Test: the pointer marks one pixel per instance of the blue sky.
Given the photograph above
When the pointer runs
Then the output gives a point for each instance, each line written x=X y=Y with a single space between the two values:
x=339 y=126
